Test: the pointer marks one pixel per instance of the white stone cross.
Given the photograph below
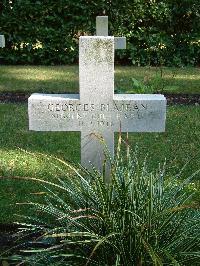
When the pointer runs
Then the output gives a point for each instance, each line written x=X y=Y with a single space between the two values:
x=2 y=41
x=97 y=112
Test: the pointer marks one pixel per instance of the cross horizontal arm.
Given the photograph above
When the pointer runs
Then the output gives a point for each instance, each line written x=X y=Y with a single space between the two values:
x=126 y=113
x=138 y=113
x=120 y=43
x=55 y=112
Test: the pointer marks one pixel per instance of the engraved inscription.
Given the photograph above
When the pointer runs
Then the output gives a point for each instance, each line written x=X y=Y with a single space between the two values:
x=70 y=107
x=100 y=115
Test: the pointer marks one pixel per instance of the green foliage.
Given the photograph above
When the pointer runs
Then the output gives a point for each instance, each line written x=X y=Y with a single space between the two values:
x=150 y=84
x=139 y=218
x=46 y=32
x=138 y=87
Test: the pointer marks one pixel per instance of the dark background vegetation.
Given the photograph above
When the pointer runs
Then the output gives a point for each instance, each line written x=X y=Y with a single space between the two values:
x=159 y=32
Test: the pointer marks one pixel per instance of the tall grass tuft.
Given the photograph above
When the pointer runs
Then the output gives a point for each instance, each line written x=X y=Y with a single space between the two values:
x=139 y=218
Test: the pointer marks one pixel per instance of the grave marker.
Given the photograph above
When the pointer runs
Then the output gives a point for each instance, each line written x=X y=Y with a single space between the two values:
x=2 y=41
x=97 y=111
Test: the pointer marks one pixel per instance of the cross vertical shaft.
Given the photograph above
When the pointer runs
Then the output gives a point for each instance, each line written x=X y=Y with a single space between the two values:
x=102 y=26
x=96 y=78
x=96 y=68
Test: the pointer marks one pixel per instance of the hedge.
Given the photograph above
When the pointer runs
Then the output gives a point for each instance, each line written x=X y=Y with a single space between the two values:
x=46 y=32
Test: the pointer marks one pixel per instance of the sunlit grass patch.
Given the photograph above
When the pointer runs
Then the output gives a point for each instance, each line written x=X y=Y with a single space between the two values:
x=63 y=79
x=165 y=79
x=30 y=79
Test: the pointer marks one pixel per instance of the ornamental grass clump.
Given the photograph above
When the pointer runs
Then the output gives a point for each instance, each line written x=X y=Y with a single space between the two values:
x=139 y=218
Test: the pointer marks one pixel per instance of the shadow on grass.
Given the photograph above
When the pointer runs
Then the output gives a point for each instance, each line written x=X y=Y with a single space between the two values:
x=14 y=134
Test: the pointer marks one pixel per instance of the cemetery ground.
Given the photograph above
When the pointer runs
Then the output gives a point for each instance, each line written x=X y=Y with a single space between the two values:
x=20 y=149
x=179 y=144
x=20 y=156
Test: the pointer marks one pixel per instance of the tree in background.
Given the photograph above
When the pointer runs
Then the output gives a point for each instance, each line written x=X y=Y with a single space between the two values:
x=46 y=32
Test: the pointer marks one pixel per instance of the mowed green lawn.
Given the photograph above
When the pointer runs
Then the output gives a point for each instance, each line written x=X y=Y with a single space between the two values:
x=180 y=144
x=59 y=79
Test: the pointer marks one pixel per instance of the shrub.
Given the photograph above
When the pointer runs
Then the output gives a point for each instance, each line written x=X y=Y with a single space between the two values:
x=139 y=218
x=46 y=32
